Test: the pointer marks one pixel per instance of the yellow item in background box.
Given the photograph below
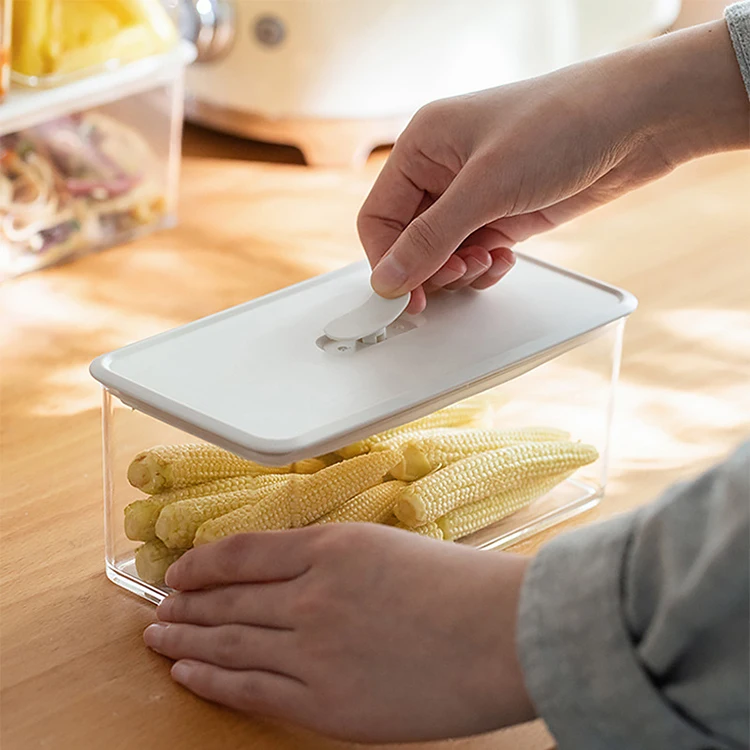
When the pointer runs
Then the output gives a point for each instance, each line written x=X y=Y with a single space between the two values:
x=6 y=13
x=54 y=38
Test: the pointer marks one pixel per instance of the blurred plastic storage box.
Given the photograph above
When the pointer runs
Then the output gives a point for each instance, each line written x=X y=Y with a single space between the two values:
x=90 y=164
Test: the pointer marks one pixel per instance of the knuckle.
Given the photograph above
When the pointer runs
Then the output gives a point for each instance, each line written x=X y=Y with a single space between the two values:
x=228 y=643
x=436 y=113
x=427 y=113
x=228 y=552
x=423 y=237
x=311 y=603
x=225 y=601
x=336 y=541
x=250 y=693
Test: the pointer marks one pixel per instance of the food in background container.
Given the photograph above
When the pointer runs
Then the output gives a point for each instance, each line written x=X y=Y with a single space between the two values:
x=56 y=40
x=78 y=181
x=5 y=35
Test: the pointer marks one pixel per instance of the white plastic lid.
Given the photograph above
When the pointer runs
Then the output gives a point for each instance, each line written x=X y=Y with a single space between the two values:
x=262 y=380
x=25 y=108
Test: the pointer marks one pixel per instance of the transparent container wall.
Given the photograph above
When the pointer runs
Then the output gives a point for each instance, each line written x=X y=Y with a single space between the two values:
x=90 y=180
x=573 y=392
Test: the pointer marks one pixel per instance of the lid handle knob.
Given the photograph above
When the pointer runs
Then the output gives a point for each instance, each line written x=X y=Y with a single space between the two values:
x=367 y=323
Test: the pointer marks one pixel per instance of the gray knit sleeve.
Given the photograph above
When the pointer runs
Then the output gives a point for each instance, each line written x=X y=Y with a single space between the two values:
x=633 y=633
x=738 y=20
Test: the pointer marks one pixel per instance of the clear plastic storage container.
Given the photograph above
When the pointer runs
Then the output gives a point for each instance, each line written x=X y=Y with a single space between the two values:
x=91 y=164
x=264 y=381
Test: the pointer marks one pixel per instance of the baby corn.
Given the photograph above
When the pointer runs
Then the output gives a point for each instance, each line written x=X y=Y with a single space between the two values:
x=304 y=498
x=178 y=522
x=374 y=505
x=141 y=515
x=471 y=413
x=173 y=466
x=478 y=515
x=311 y=465
x=424 y=454
x=485 y=474
x=152 y=560
x=431 y=529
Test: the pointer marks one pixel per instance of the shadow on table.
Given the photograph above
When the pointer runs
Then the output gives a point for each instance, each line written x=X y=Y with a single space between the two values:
x=203 y=143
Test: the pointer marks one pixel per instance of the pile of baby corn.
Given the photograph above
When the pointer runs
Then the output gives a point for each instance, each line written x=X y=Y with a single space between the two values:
x=444 y=476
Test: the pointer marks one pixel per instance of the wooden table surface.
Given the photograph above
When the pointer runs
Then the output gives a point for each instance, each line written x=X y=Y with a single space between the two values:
x=73 y=671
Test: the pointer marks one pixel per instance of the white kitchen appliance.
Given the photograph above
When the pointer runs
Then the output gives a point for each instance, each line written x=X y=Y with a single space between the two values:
x=338 y=77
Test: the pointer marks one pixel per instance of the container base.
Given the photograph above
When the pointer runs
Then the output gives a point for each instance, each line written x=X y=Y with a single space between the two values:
x=564 y=502
x=123 y=575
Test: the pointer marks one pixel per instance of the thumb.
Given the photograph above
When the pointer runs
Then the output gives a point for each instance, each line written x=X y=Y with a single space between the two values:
x=430 y=238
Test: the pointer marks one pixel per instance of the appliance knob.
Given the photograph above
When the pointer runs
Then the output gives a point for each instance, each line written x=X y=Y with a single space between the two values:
x=209 y=25
x=270 y=30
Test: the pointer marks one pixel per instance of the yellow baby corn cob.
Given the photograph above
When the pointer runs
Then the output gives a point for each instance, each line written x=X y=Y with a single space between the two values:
x=478 y=515
x=474 y=412
x=471 y=413
x=141 y=515
x=311 y=465
x=304 y=498
x=423 y=455
x=374 y=505
x=405 y=436
x=485 y=474
x=178 y=522
x=431 y=529
x=173 y=466
x=152 y=560
x=308 y=465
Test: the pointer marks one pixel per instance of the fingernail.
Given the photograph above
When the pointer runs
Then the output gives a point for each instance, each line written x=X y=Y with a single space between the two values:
x=181 y=670
x=389 y=275
x=153 y=635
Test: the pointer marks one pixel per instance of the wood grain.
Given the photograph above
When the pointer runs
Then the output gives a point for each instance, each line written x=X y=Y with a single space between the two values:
x=73 y=671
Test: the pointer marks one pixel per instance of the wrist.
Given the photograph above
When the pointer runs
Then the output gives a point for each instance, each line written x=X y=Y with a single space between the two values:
x=691 y=100
x=509 y=693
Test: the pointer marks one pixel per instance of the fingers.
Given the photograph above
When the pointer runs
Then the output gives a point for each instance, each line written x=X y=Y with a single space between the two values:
x=503 y=259
x=430 y=239
x=251 y=691
x=477 y=260
x=264 y=604
x=453 y=270
x=390 y=206
x=243 y=558
x=231 y=646
x=418 y=301
x=401 y=192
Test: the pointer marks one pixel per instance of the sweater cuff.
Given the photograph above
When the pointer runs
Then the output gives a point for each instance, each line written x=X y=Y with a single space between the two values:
x=579 y=663
x=737 y=17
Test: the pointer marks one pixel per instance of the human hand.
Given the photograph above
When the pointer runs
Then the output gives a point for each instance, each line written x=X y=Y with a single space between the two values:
x=472 y=176
x=358 y=631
